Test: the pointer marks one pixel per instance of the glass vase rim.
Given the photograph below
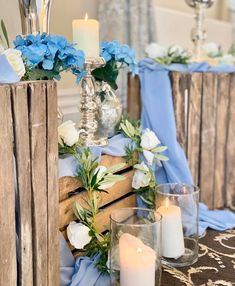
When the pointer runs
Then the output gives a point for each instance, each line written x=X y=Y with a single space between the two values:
x=196 y=189
x=158 y=220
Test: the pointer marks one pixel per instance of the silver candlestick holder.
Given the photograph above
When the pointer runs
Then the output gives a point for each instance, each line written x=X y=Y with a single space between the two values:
x=88 y=106
x=198 y=33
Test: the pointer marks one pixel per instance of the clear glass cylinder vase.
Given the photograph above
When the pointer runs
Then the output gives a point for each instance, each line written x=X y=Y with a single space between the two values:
x=135 y=257
x=178 y=205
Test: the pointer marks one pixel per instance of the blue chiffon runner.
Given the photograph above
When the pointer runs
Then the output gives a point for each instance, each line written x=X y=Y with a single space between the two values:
x=7 y=74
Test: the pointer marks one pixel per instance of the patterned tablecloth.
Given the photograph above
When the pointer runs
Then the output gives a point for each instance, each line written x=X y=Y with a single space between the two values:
x=215 y=266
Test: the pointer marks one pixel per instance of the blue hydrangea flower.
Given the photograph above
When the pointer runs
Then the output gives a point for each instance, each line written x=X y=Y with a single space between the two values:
x=49 y=52
x=119 y=53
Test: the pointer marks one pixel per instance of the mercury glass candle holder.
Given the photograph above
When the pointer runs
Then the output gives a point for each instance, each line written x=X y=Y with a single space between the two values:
x=178 y=204
x=135 y=257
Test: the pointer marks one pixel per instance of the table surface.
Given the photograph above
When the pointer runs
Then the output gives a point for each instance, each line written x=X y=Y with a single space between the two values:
x=215 y=266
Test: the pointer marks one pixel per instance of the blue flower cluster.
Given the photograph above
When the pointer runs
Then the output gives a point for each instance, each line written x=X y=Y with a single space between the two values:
x=120 y=53
x=49 y=52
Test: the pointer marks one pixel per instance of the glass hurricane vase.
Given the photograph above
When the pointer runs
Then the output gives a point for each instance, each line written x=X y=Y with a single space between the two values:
x=135 y=258
x=178 y=205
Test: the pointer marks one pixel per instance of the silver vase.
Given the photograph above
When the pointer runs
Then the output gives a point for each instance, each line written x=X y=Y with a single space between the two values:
x=109 y=109
x=35 y=16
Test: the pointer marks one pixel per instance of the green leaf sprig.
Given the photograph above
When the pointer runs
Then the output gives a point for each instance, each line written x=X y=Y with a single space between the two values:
x=92 y=181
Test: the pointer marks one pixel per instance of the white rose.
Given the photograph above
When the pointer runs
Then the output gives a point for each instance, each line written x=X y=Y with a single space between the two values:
x=155 y=50
x=100 y=172
x=227 y=59
x=149 y=156
x=149 y=140
x=142 y=176
x=78 y=234
x=15 y=60
x=176 y=50
x=211 y=49
x=68 y=133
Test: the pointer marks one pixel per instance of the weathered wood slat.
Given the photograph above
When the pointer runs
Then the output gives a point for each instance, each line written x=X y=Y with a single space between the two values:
x=70 y=184
x=52 y=186
x=221 y=140
x=230 y=148
x=134 y=105
x=8 y=274
x=117 y=191
x=23 y=167
x=207 y=159
x=39 y=180
x=181 y=90
x=194 y=125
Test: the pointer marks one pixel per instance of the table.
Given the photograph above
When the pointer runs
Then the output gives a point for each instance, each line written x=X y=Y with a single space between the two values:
x=215 y=266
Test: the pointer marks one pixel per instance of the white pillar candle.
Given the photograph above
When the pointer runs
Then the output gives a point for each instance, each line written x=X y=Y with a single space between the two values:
x=86 y=36
x=137 y=262
x=172 y=231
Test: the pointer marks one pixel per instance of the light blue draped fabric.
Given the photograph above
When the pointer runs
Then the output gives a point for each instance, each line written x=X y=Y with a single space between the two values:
x=7 y=74
x=217 y=219
x=116 y=147
x=158 y=113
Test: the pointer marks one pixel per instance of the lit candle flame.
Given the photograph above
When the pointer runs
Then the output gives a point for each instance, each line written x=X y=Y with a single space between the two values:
x=86 y=17
x=139 y=250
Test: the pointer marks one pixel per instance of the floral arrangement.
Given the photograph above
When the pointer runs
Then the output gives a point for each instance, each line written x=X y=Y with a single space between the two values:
x=168 y=55
x=46 y=56
x=215 y=54
x=117 y=56
x=212 y=53
x=149 y=150
x=84 y=234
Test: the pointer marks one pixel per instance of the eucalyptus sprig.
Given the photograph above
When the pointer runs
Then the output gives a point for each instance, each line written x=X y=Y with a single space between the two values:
x=95 y=179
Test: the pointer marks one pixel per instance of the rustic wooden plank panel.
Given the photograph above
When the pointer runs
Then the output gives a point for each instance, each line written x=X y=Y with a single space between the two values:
x=194 y=125
x=230 y=148
x=70 y=184
x=207 y=158
x=39 y=180
x=52 y=186
x=118 y=190
x=22 y=155
x=133 y=98
x=8 y=272
x=221 y=140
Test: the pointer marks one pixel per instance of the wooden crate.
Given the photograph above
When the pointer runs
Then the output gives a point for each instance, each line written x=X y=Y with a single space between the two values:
x=205 y=119
x=119 y=196
x=28 y=180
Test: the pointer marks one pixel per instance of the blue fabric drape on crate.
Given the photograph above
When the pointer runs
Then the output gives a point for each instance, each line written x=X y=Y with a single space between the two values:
x=7 y=74
x=158 y=113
